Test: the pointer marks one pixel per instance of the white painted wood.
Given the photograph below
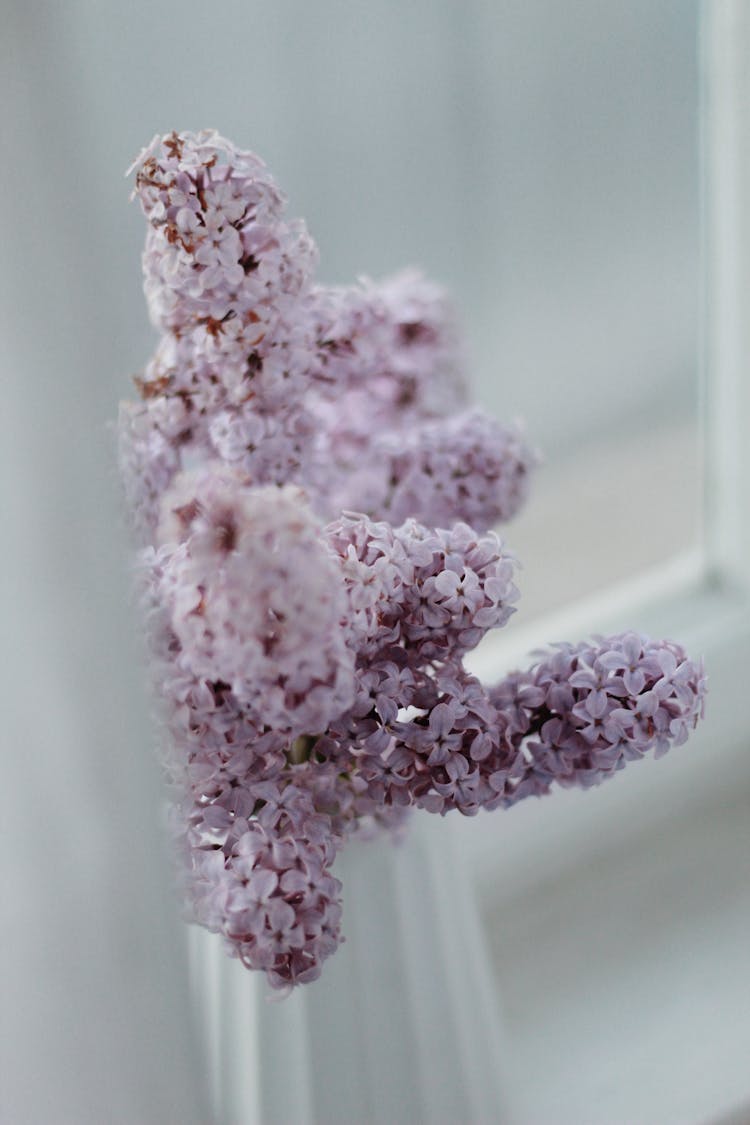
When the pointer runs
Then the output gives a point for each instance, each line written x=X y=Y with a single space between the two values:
x=95 y=1026
x=628 y=974
x=726 y=159
x=401 y=1027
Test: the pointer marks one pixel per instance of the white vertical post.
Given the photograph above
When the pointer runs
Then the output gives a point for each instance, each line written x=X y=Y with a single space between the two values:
x=401 y=1028
x=726 y=220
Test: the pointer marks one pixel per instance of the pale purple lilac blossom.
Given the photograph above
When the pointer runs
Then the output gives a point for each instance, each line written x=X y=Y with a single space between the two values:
x=315 y=498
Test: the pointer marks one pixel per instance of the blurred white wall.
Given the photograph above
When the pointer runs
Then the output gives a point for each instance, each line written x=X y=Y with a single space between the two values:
x=95 y=1024
x=539 y=158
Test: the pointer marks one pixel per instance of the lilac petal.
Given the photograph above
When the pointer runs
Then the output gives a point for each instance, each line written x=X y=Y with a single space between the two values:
x=648 y=703
x=448 y=583
x=262 y=884
x=597 y=703
x=295 y=882
x=612 y=661
x=583 y=678
x=634 y=681
x=632 y=648
x=280 y=915
x=442 y=720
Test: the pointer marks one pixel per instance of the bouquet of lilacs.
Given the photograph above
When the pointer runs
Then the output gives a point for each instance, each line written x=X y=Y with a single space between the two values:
x=314 y=499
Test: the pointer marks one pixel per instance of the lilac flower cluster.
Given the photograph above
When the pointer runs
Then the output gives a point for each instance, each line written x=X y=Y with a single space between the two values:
x=315 y=498
x=286 y=380
x=586 y=710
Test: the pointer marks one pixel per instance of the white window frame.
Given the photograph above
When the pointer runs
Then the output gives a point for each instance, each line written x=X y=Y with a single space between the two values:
x=702 y=597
